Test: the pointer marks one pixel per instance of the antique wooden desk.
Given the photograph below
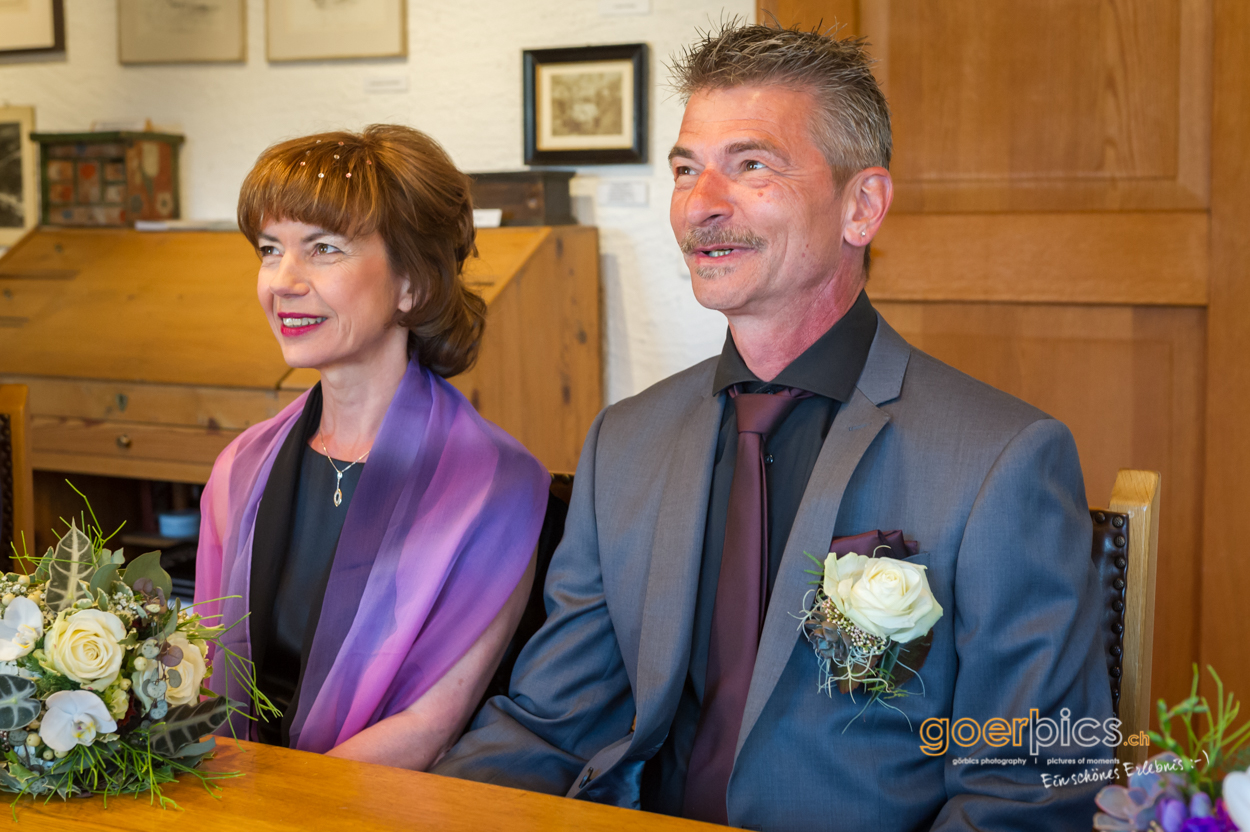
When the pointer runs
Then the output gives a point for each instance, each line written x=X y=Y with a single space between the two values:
x=295 y=790
x=146 y=353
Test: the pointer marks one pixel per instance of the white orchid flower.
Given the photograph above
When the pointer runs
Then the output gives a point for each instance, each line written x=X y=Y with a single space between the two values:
x=20 y=629
x=1237 y=798
x=74 y=717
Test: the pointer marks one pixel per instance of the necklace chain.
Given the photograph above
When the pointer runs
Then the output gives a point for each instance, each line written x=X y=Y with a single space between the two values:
x=338 y=483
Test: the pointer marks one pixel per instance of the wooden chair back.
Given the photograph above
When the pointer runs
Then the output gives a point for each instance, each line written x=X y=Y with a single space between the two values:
x=17 y=488
x=1125 y=549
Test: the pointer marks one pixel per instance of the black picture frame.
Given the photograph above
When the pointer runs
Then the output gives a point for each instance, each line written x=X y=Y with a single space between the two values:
x=636 y=152
x=58 y=37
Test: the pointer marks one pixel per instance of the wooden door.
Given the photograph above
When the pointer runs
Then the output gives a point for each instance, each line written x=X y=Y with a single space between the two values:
x=1053 y=234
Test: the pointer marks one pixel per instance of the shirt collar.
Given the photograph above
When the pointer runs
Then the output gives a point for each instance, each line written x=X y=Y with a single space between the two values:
x=830 y=367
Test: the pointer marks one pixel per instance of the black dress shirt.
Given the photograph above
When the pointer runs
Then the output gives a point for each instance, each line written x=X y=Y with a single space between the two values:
x=297 y=532
x=829 y=369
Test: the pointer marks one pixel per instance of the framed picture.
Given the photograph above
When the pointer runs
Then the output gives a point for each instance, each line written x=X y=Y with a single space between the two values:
x=19 y=186
x=175 y=31
x=586 y=105
x=313 y=30
x=28 y=27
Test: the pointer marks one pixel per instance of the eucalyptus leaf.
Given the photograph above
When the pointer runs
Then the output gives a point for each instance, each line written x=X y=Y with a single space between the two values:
x=188 y=724
x=17 y=705
x=72 y=561
x=149 y=566
x=102 y=580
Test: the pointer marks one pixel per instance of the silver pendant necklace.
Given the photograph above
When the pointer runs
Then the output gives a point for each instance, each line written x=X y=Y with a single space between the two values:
x=338 y=489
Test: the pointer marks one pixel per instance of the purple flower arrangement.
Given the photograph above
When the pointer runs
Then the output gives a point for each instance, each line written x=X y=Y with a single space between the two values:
x=1155 y=799
x=1194 y=785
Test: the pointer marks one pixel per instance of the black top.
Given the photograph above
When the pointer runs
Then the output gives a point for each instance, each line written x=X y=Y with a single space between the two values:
x=297 y=518
x=829 y=369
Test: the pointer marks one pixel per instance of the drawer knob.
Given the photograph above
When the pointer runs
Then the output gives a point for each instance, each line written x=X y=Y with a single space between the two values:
x=124 y=441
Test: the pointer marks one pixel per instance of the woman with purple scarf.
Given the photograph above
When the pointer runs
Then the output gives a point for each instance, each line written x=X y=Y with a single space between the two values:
x=375 y=539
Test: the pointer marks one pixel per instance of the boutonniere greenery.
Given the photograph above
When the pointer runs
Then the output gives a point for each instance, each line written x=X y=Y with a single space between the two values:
x=870 y=623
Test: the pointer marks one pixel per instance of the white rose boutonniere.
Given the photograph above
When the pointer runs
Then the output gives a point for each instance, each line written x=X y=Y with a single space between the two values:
x=870 y=623
x=889 y=598
x=84 y=646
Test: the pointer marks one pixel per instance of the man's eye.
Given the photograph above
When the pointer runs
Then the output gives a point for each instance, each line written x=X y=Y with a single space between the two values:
x=751 y=164
x=682 y=170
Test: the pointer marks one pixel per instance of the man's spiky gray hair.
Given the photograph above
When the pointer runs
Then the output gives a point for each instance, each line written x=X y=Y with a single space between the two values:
x=852 y=125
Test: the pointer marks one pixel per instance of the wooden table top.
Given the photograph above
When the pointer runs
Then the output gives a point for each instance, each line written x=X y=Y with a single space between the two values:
x=288 y=790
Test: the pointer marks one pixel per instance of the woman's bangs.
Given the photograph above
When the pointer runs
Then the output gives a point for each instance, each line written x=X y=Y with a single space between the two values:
x=335 y=191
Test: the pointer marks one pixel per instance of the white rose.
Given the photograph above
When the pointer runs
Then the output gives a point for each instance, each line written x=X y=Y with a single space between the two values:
x=84 y=646
x=887 y=597
x=1237 y=798
x=74 y=717
x=21 y=629
x=191 y=669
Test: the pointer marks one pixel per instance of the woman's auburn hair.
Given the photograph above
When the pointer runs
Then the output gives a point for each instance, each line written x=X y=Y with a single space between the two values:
x=400 y=183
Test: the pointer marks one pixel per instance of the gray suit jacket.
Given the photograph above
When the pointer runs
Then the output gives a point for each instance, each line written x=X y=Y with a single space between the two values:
x=991 y=489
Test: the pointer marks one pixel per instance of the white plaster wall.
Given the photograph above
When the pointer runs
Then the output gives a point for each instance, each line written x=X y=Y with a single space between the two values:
x=464 y=68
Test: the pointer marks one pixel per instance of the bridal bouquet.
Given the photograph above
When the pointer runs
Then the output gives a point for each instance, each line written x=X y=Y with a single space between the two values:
x=870 y=623
x=101 y=676
x=1194 y=785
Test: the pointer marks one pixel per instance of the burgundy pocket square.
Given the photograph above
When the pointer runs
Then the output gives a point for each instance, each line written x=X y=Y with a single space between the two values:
x=868 y=543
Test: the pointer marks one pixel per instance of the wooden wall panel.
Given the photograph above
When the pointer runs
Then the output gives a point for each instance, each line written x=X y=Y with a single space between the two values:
x=1046 y=105
x=1226 y=568
x=1140 y=258
x=1129 y=383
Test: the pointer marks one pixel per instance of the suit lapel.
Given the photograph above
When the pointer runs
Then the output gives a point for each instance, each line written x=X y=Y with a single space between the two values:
x=672 y=581
x=852 y=432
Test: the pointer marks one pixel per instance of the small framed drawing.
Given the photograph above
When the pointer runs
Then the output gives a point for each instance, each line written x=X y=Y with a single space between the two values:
x=19 y=188
x=178 y=32
x=29 y=27
x=316 y=30
x=586 y=105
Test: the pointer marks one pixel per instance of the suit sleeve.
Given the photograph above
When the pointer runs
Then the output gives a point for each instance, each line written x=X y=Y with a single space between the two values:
x=570 y=695
x=1027 y=613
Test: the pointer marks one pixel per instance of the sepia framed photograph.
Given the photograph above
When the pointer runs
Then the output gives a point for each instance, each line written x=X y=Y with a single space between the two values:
x=318 y=30
x=19 y=185
x=31 y=27
x=178 y=32
x=586 y=105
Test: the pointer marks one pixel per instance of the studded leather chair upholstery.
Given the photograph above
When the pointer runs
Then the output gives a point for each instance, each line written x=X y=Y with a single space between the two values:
x=1110 y=552
x=1124 y=549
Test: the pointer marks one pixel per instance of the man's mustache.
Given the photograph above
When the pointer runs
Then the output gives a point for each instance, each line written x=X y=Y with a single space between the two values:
x=697 y=238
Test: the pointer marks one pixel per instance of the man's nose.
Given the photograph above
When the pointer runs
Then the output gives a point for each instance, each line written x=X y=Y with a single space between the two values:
x=710 y=198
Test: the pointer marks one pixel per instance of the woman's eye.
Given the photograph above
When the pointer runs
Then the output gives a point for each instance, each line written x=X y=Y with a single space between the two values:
x=324 y=248
x=268 y=251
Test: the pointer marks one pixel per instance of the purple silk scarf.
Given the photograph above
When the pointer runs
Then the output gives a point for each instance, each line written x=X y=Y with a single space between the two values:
x=439 y=532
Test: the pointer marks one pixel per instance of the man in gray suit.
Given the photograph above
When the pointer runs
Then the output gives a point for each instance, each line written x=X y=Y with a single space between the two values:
x=671 y=674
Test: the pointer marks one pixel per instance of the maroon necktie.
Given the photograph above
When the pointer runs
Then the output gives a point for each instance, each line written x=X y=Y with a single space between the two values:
x=738 y=614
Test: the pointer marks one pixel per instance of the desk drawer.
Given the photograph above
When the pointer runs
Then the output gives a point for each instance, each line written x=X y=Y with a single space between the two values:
x=129 y=449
